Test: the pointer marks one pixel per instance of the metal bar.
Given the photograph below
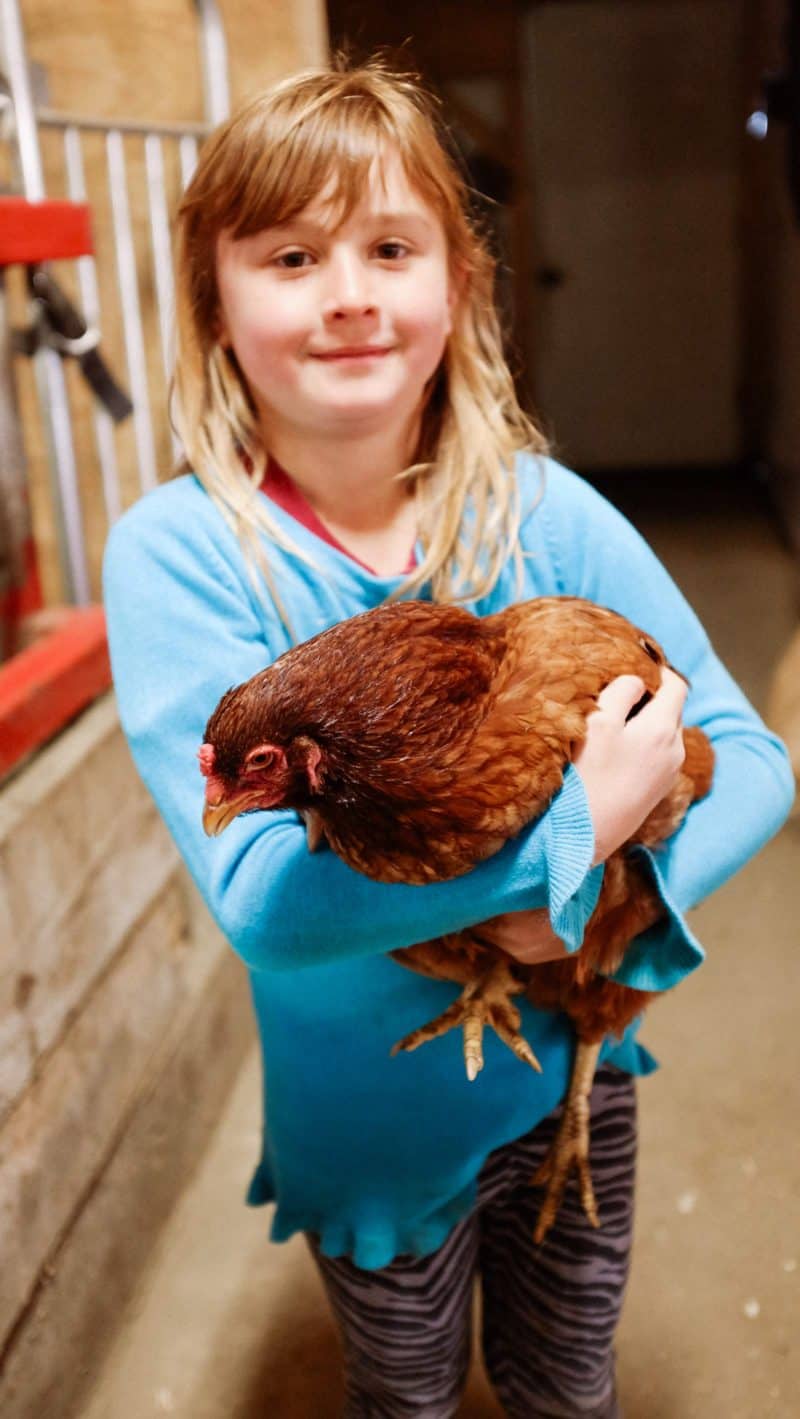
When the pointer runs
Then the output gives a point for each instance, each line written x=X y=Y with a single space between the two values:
x=162 y=253
x=159 y=236
x=12 y=42
x=14 y=513
x=90 y=300
x=131 y=311
x=47 y=364
x=15 y=522
x=53 y=395
x=187 y=150
x=136 y=127
x=214 y=55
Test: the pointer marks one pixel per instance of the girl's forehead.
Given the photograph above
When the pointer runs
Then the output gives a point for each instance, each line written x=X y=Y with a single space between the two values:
x=387 y=191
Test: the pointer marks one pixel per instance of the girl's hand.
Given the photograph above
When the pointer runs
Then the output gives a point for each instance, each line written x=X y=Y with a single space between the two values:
x=527 y=936
x=627 y=766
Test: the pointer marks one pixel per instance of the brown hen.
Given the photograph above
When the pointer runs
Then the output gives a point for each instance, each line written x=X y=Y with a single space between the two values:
x=417 y=739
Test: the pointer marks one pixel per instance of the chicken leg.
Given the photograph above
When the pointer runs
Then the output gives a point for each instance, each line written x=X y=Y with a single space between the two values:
x=484 y=1001
x=570 y=1148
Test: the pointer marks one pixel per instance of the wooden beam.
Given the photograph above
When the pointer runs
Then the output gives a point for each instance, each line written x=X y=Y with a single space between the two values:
x=45 y=686
x=43 y=231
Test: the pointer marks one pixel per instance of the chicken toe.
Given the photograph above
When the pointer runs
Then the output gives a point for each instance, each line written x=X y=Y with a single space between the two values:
x=570 y=1148
x=485 y=1001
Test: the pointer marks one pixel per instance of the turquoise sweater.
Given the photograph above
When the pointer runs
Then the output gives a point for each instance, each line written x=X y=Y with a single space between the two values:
x=380 y=1155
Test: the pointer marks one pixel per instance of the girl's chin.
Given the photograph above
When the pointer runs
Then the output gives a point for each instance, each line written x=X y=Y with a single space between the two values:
x=362 y=419
x=345 y=404
x=356 y=405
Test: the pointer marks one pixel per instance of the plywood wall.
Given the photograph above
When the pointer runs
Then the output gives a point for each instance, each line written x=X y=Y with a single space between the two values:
x=141 y=58
x=142 y=61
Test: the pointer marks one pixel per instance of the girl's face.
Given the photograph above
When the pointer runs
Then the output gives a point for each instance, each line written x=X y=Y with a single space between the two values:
x=338 y=332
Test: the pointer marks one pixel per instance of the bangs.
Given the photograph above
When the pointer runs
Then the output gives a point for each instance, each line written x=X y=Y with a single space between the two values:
x=331 y=147
x=288 y=178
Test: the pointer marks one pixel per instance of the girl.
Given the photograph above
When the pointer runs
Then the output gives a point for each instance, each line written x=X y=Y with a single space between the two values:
x=352 y=434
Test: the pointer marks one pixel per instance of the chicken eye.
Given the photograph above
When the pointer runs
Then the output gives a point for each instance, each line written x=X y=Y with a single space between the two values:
x=260 y=759
x=651 y=651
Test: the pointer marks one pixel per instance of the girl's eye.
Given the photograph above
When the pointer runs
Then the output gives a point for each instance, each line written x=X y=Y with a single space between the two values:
x=292 y=260
x=393 y=250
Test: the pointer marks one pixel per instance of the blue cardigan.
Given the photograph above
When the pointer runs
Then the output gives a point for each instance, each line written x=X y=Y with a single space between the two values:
x=380 y=1155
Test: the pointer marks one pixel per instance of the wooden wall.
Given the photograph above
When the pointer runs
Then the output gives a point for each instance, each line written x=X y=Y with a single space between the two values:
x=116 y=993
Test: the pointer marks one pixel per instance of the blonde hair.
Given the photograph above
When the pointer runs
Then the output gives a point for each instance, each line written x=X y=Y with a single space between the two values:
x=262 y=167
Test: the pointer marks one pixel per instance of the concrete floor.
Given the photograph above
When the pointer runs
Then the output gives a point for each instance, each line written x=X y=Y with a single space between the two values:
x=229 y=1326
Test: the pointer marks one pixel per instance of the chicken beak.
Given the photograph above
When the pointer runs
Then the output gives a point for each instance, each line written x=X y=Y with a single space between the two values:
x=217 y=816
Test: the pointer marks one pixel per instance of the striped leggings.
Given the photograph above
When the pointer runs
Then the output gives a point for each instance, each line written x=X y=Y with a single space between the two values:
x=548 y=1313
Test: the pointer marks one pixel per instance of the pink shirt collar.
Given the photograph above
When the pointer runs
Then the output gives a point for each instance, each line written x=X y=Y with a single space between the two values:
x=279 y=488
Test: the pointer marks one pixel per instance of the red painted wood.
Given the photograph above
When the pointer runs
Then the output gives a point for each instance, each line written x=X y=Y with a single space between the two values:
x=20 y=599
x=43 y=687
x=52 y=230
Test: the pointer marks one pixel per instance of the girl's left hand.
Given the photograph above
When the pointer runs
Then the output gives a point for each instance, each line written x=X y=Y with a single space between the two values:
x=527 y=936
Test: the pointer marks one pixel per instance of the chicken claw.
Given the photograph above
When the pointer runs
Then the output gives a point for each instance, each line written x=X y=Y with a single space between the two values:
x=570 y=1148
x=485 y=1001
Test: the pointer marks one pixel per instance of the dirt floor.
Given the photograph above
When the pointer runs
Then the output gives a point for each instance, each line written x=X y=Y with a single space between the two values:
x=229 y=1326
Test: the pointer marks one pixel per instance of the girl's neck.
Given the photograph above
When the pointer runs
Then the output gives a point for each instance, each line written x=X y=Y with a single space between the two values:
x=353 y=481
x=353 y=487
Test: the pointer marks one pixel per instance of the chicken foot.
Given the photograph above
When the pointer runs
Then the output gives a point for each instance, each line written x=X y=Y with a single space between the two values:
x=484 y=1001
x=570 y=1148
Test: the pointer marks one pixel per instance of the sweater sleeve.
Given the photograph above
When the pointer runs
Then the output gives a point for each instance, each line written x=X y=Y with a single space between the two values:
x=609 y=563
x=183 y=627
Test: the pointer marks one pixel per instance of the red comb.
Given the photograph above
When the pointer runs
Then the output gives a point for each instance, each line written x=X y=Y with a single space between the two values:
x=205 y=755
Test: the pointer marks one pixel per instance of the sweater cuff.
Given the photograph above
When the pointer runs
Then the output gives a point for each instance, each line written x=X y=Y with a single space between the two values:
x=574 y=885
x=665 y=953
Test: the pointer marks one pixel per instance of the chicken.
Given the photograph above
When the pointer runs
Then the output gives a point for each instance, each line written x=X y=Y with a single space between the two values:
x=456 y=739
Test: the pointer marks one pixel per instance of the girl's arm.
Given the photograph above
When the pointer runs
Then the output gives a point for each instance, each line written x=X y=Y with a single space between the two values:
x=184 y=627
x=600 y=556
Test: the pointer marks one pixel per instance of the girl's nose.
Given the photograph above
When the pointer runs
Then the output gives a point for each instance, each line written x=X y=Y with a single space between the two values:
x=349 y=288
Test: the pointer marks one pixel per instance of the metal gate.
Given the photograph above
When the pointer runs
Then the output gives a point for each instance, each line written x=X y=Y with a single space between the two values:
x=160 y=149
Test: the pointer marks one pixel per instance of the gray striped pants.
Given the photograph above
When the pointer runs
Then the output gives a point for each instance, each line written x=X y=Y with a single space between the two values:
x=548 y=1313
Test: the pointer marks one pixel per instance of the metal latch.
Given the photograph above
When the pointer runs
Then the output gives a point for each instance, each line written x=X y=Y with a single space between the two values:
x=61 y=326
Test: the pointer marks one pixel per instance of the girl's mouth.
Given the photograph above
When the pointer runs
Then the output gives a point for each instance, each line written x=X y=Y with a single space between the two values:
x=365 y=352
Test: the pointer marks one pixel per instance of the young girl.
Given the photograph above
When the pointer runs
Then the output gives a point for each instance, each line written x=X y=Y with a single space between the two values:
x=352 y=434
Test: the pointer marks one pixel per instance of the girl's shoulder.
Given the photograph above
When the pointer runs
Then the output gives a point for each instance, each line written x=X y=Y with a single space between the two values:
x=544 y=482
x=576 y=539
x=560 y=507
x=173 y=537
x=180 y=507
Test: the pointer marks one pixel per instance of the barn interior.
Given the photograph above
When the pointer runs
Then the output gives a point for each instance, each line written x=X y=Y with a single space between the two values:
x=638 y=166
